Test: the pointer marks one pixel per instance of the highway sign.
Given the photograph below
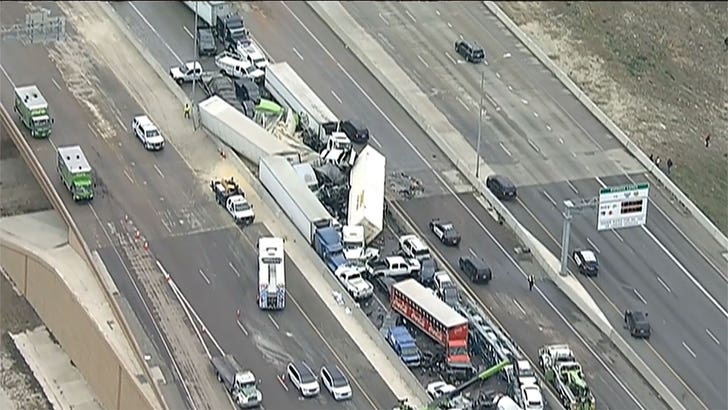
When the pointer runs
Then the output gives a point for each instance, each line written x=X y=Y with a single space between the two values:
x=622 y=206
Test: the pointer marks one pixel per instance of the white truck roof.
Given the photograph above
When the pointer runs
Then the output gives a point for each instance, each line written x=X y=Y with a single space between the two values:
x=31 y=96
x=366 y=196
x=271 y=247
x=436 y=308
x=74 y=159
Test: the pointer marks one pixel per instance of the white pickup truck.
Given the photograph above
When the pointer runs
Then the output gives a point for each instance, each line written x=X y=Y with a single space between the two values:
x=393 y=266
x=186 y=72
x=350 y=276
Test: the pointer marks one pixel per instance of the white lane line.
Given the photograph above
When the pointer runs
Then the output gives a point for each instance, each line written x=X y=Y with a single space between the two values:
x=546 y=194
x=450 y=57
x=685 y=345
x=5 y=73
x=573 y=188
x=695 y=282
x=449 y=25
x=128 y=176
x=118 y=119
x=437 y=12
x=534 y=146
x=461 y=203
x=159 y=171
x=644 y=302
x=505 y=149
x=274 y=322
x=91 y=128
x=460 y=100
x=240 y=325
x=410 y=16
x=664 y=285
x=422 y=60
x=535 y=114
x=234 y=269
x=297 y=53
x=712 y=336
x=371 y=139
x=189 y=33
x=204 y=276
x=498 y=74
x=154 y=30
x=283 y=383
x=548 y=127
x=593 y=245
x=518 y=305
x=617 y=235
x=336 y=96
x=53 y=80
x=472 y=252
x=561 y=141
x=383 y=19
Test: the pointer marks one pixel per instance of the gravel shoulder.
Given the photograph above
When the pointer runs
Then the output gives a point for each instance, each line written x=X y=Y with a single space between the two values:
x=659 y=70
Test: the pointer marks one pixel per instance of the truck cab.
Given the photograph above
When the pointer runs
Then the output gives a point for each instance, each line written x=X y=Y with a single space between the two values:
x=351 y=278
x=240 y=209
x=231 y=30
x=339 y=150
x=354 y=245
x=246 y=393
x=404 y=345
x=186 y=72
x=327 y=243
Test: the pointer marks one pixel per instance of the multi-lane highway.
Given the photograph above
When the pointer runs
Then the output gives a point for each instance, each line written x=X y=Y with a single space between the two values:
x=537 y=133
x=343 y=84
x=190 y=238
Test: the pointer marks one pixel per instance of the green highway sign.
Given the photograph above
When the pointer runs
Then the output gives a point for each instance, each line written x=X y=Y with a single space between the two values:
x=623 y=188
x=622 y=206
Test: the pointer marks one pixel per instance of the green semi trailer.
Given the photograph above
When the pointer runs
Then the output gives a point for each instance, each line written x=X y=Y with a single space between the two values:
x=32 y=109
x=75 y=172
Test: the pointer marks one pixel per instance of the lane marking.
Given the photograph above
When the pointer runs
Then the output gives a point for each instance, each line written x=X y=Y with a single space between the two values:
x=5 y=73
x=159 y=171
x=472 y=252
x=336 y=96
x=505 y=149
x=53 y=80
x=234 y=269
x=189 y=33
x=573 y=188
x=128 y=176
x=240 y=325
x=410 y=16
x=437 y=12
x=712 y=336
x=459 y=200
x=450 y=57
x=203 y=276
x=518 y=305
x=118 y=119
x=534 y=146
x=383 y=19
x=593 y=245
x=561 y=141
x=664 y=285
x=546 y=194
x=449 y=25
x=685 y=345
x=463 y=103
x=154 y=30
x=524 y=101
x=535 y=114
x=617 y=235
x=274 y=322
x=280 y=380
x=498 y=74
x=644 y=302
x=423 y=61
x=548 y=127
x=297 y=53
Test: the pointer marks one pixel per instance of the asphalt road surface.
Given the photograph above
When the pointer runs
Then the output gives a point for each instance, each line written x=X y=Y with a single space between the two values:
x=212 y=262
x=537 y=133
x=410 y=153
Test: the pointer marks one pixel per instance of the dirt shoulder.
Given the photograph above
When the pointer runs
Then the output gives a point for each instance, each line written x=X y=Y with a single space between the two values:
x=659 y=70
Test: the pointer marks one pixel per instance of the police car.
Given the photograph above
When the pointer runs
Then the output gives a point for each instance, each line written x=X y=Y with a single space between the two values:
x=445 y=232
x=148 y=133
x=586 y=261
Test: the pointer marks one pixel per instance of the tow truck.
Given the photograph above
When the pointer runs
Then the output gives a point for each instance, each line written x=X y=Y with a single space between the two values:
x=564 y=373
x=451 y=398
x=240 y=384
x=228 y=194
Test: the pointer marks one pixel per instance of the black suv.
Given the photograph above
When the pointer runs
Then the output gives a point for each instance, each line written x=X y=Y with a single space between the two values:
x=471 y=52
x=206 y=45
x=356 y=131
x=501 y=187
x=637 y=324
x=475 y=269
x=426 y=274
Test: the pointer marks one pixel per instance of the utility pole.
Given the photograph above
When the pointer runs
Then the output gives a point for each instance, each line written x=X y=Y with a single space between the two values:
x=570 y=209
x=480 y=125
x=194 y=52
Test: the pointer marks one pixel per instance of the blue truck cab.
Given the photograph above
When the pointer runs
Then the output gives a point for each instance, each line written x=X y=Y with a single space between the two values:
x=328 y=245
x=404 y=345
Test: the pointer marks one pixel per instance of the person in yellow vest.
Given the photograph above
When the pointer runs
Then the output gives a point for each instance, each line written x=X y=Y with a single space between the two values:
x=187 y=110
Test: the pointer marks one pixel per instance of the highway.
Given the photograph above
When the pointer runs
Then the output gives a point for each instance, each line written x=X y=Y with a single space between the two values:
x=191 y=239
x=411 y=153
x=538 y=134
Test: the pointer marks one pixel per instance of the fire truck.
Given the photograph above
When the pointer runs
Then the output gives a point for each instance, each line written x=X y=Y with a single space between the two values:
x=439 y=321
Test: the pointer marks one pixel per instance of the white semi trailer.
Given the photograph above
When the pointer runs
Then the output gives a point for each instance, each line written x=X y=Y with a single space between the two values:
x=366 y=196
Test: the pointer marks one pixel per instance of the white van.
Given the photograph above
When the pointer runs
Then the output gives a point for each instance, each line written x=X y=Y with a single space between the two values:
x=233 y=66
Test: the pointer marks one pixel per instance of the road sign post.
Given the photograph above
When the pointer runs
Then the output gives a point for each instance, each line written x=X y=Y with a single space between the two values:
x=622 y=206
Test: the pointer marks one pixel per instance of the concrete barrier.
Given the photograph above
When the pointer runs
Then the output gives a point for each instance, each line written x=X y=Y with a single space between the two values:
x=354 y=322
x=417 y=104
x=628 y=144
x=75 y=240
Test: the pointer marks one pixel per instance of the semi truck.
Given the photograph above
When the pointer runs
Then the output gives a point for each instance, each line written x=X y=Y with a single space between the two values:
x=32 y=109
x=240 y=384
x=221 y=17
x=404 y=345
x=75 y=172
x=439 y=321
x=366 y=196
x=327 y=244
x=232 y=198
x=564 y=373
x=271 y=274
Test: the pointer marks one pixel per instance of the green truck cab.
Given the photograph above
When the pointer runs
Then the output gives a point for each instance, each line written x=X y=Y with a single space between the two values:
x=75 y=172
x=32 y=109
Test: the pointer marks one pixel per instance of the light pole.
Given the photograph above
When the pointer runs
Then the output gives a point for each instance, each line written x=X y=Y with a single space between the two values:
x=480 y=126
x=194 y=53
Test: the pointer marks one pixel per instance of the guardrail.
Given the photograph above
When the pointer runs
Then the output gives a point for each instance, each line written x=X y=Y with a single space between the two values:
x=628 y=144
x=76 y=241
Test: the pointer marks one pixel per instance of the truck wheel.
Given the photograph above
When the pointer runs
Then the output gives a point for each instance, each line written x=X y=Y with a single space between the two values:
x=179 y=81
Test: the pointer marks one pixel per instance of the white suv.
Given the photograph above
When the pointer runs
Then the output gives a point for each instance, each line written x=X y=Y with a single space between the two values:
x=413 y=247
x=335 y=382
x=303 y=378
x=147 y=133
